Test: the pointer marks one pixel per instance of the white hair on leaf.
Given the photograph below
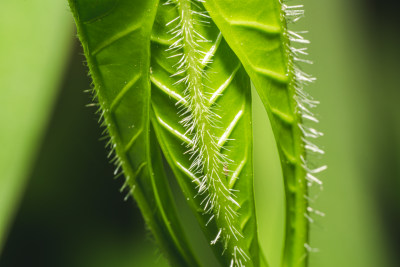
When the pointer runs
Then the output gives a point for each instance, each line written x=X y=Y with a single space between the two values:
x=297 y=51
x=200 y=122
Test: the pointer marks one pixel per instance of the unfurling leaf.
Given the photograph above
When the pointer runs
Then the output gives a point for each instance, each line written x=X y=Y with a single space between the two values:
x=172 y=78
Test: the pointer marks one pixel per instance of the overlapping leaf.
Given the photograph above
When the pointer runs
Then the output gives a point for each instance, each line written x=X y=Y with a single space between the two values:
x=116 y=40
x=200 y=108
x=226 y=91
x=269 y=61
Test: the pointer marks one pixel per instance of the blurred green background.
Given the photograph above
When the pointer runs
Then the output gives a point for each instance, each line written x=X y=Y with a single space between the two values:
x=68 y=209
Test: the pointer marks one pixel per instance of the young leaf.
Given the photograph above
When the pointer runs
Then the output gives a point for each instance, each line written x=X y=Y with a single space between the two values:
x=202 y=116
x=116 y=39
x=257 y=33
x=200 y=111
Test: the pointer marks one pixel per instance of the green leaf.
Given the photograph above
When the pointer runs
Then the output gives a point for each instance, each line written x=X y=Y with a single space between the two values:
x=31 y=64
x=268 y=62
x=116 y=39
x=202 y=116
x=201 y=112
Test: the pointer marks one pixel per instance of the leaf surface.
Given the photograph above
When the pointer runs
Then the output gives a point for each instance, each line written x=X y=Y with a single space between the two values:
x=219 y=78
x=200 y=111
x=116 y=40
x=268 y=63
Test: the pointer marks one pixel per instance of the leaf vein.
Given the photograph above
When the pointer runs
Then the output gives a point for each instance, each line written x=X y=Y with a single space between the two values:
x=123 y=91
x=119 y=35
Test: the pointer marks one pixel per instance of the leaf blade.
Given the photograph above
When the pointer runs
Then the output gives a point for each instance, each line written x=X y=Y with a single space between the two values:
x=116 y=45
x=268 y=64
x=224 y=76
